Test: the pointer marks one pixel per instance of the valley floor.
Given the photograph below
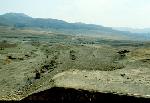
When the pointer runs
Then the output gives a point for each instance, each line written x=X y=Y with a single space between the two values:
x=41 y=60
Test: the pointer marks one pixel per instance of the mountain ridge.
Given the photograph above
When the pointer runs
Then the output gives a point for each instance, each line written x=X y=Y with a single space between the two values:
x=133 y=30
x=29 y=21
x=21 y=20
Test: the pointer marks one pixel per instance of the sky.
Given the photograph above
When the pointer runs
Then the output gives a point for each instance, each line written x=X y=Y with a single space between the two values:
x=110 y=13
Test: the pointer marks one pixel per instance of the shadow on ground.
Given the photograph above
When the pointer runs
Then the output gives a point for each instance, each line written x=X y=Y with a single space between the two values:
x=69 y=95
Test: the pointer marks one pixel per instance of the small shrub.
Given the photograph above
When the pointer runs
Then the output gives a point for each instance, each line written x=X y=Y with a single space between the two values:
x=72 y=55
x=37 y=74
x=1 y=48
x=123 y=52
x=48 y=66
x=53 y=64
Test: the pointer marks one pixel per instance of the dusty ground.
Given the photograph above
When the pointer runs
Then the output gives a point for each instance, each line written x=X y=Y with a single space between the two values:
x=29 y=64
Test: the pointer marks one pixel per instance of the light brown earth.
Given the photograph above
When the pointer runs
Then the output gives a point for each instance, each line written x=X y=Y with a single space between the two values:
x=28 y=66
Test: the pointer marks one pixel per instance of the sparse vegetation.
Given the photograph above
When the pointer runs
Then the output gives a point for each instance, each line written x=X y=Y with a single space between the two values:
x=122 y=53
x=29 y=59
x=72 y=55
x=37 y=74
x=5 y=44
x=49 y=66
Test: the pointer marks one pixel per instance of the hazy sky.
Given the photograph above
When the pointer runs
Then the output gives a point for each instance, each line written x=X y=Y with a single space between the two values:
x=116 y=13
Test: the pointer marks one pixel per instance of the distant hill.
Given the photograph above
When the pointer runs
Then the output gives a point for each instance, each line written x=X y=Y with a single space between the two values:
x=133 y=30
x=20 y=20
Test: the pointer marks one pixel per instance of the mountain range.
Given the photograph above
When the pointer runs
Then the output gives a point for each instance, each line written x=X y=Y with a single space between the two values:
x=20 y=20
x=133 y=30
